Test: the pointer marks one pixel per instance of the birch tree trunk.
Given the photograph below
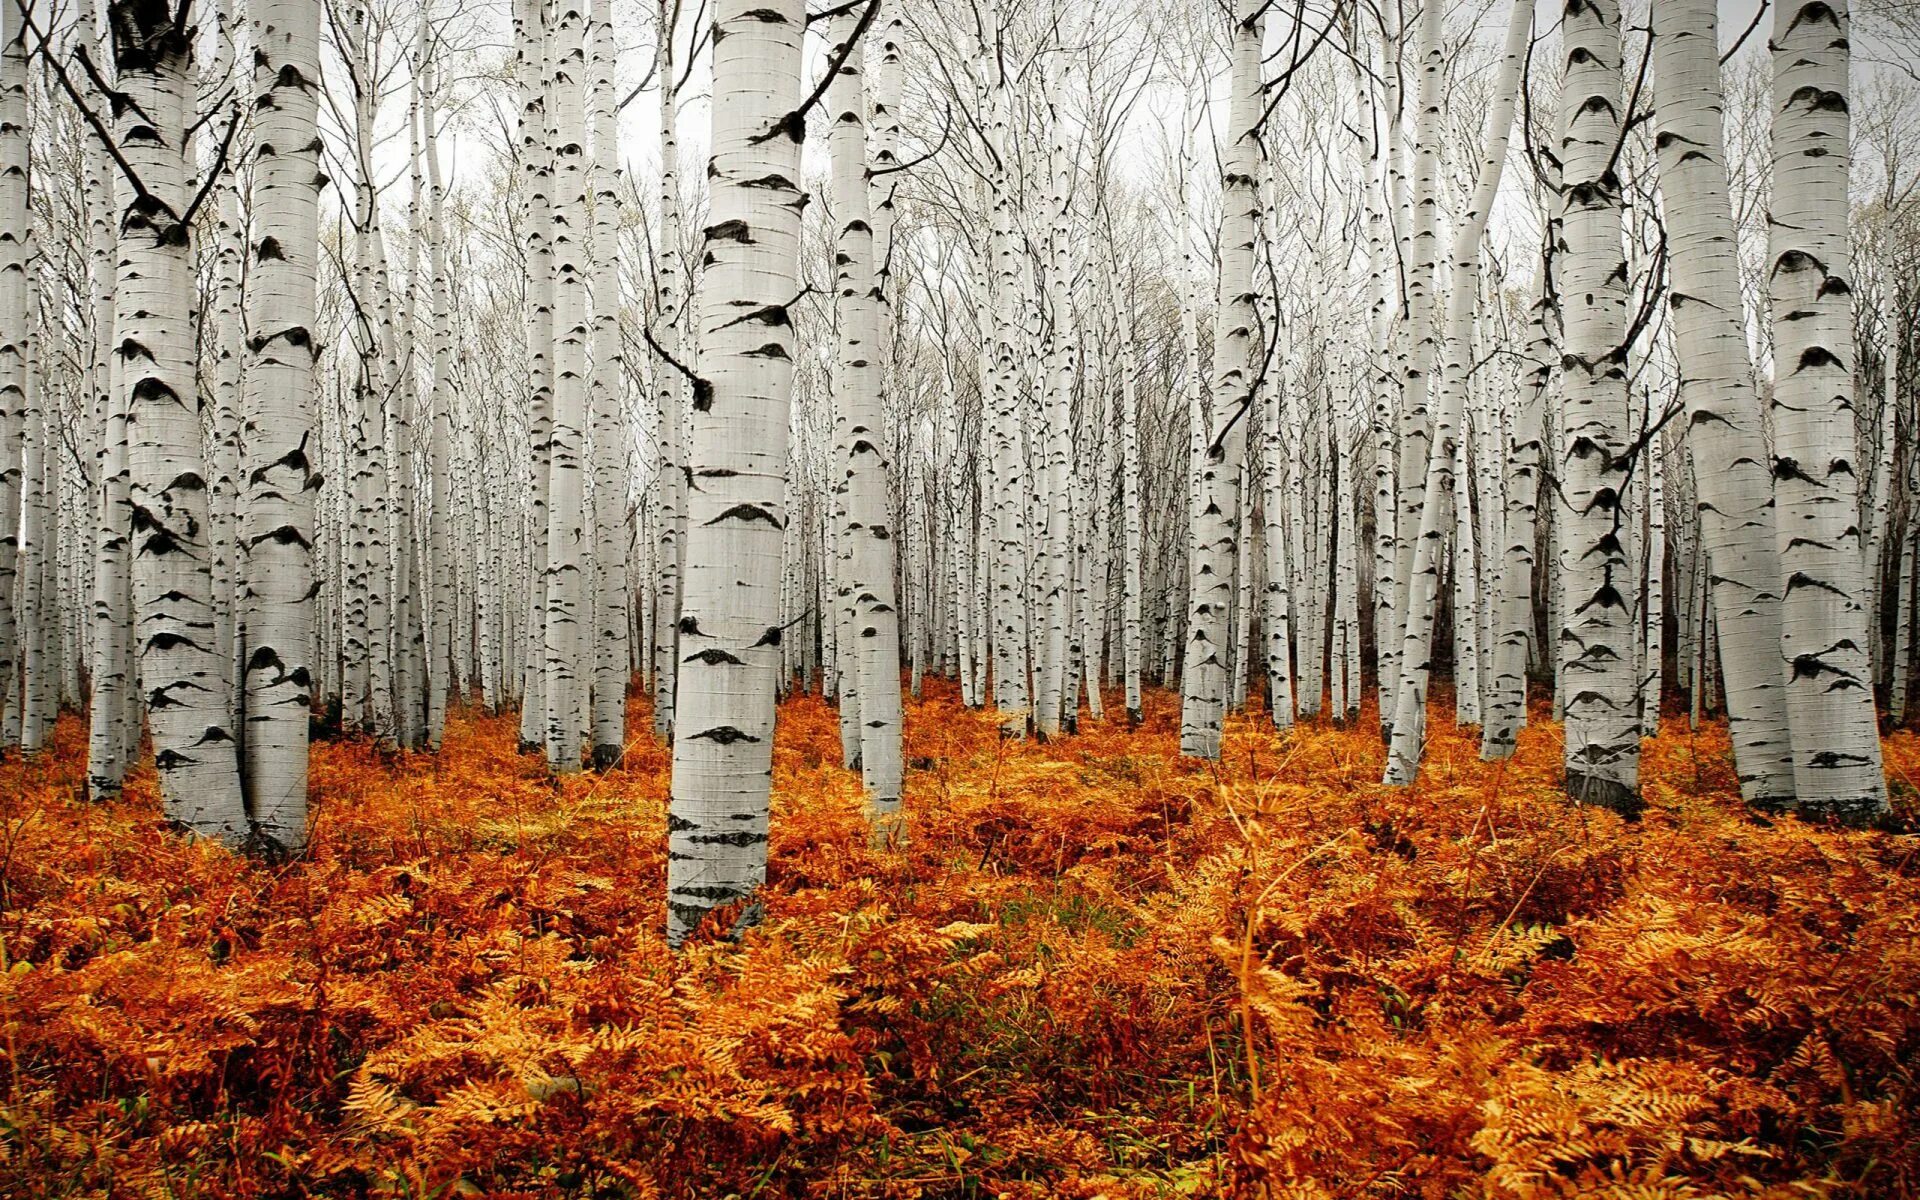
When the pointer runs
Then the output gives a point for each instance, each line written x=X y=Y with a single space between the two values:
x=114 y=718
x=873 y=657
x=1204 y=682
x=279 y=417
x=534 y=68
x=1595 y=578
x=565 y=580
x=1277 y=620
x=227 y=333
x=16 y=315
x=1823 y=617
x=1007 y=606
x=1724 y=431
x=1416 y=434
x=611 y=649
x=440 y=551
x=730 y=627
x=1437 y=496
x=186 y=683
x=669 y=298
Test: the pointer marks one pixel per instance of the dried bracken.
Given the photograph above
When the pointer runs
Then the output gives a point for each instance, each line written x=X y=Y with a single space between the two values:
x=1473 y=988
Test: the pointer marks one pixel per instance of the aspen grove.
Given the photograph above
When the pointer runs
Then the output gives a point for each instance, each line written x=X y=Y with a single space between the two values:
x=438 y=423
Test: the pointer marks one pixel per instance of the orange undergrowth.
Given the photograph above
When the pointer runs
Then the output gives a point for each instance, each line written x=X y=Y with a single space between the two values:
x=1469 y=988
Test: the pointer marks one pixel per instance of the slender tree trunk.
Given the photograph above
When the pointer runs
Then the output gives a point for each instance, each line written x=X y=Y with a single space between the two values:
x=114 y=719
x=535 y=66
x=669 y=299
x=1823 y=618
x=16 y=316
x=186 y=683
x=565 y=580
x=873 y=657
x=611 y=649
x=723 y=748
x=1437 y=497
x=278 y=520
x=1595 y=578
x=1204 y=683
x=1724 y=433
x=438 y=633
x=1416 y=451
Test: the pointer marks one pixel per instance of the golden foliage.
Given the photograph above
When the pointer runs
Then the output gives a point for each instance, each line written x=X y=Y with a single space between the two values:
x=1465 y=989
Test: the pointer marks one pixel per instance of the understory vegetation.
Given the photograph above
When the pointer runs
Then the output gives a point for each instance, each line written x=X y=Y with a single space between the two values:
x=1470 y=987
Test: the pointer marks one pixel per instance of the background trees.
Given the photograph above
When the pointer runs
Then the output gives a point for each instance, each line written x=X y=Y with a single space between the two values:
x=386 y=367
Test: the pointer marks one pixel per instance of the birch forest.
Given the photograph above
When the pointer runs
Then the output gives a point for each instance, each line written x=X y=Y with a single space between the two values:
x=1290 y=599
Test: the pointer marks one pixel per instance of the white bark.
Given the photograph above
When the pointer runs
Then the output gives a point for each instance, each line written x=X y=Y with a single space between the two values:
x=1596 y=581
x=668 y=392
x=723 y=747
x=534 y=65
x=610 y=641
x=1204 y=683
x=16 y=315
x=440 y=552
x=566 y=570
x=1416 y=451
x=1823 y=618
x=185 y=681
x=1724 y=431
x=1437 y=497
x=872 y=656
x=278 y=415
x=114 y=719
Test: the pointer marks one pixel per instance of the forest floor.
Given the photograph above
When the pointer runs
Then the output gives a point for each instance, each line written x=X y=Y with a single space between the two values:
x=1469 y=988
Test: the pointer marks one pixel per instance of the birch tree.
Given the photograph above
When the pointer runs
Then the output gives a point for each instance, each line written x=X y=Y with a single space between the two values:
x=1723 y=411
x=737 y=466
x=1204 y=662
x=1836 y=745
x=875 y=647
x=186 y=684
x=281 y=474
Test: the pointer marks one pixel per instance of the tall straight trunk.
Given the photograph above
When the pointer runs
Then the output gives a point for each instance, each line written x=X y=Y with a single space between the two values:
x=1876 y=501
x=1654 y=554
x=1506 y=709
x=1596 y=580
x=1436 y=497
x=1823 y=616
x=534 y=65
x=186 y=683
x=1724 y=431
x=1416 y=452
x=1133 y=533
x=113 y=719
x=1276 y=621
x=1242 y=584
x=278 y=413
x=441 y=554
x=873 y=657
x=1204 y=683
x=1347 y=586
x=1384 y=259
x=610 y=641
x=1008 y=606
x=1056 y=448
x=1901 y=672
x=730 y=627
x=16 y=315
x=565 y=580
x=226 y=332
x=671 y=484
x=36 y=605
